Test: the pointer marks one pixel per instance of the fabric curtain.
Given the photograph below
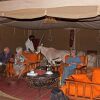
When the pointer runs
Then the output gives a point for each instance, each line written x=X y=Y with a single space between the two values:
x=71 y=41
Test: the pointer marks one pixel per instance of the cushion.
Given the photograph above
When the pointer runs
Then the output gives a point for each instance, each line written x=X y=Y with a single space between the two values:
x=80 y=77
x=96 y=75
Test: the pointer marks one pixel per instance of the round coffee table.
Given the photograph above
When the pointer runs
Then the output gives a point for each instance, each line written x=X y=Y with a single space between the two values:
x=43 y=80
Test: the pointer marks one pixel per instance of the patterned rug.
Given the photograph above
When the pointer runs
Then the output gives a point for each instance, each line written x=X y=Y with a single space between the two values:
x=22 y=91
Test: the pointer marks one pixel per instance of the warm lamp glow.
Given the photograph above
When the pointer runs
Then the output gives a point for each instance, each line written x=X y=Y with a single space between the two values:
x=49 y=20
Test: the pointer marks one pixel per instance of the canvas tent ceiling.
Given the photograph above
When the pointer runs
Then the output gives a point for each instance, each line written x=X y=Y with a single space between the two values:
x=56 y=8
x=23 y=12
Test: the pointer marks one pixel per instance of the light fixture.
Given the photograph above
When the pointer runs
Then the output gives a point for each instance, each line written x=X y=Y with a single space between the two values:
x=49 y=20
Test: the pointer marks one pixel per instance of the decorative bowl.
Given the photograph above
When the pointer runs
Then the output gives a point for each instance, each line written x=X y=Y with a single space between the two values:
x=40 y=72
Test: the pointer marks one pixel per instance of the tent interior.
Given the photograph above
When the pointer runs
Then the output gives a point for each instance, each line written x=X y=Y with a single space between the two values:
x=14 y=32
x=27 y=17
x=50 y=21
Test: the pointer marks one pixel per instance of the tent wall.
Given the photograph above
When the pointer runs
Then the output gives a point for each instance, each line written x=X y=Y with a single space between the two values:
x=87 y=40
x=11 y=37
x=57 y=38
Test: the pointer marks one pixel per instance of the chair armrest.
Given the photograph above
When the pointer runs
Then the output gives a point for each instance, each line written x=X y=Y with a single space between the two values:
x=75 y=81
x=64 y=64
x=81 y=67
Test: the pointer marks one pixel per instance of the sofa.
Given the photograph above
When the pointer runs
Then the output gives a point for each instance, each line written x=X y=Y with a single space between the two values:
x=82 y=85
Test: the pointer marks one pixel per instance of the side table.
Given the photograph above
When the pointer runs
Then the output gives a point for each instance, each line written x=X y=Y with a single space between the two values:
x=43 y=80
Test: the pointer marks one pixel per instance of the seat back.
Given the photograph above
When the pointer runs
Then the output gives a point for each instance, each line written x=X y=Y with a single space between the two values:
x=83 y=65
x=96 y=75
x=84 y=60
x=96 y=80
x=32 y=57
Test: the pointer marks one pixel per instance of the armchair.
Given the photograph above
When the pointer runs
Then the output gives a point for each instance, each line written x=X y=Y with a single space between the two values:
x=79 y=85
x=83 y=66
x=31 y=62
x=80 y=67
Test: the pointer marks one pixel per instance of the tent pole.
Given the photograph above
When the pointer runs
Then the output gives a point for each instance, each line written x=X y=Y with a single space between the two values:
x=41 y=39
x=74 y=42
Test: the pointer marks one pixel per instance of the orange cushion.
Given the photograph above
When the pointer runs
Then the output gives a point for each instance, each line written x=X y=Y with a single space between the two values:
x=96 y=80
x=80 y=77
x=96 y=75
x=83 y=78
x=31 y=57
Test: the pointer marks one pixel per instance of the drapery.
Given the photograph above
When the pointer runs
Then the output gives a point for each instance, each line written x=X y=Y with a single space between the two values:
x=71 y=40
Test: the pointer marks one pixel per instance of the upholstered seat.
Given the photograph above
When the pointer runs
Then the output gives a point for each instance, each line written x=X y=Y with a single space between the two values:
x=80 y=85
x=31 y=62
x=79 y=69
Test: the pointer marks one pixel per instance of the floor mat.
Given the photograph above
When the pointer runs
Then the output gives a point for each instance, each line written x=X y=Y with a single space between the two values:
x=21 y=90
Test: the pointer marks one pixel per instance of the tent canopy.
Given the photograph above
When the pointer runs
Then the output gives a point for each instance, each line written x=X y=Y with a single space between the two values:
x=68 y=13
x=57 y=8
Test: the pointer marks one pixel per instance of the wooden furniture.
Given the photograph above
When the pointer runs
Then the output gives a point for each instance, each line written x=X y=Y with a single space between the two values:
x=80 y=67
x=31 y=62
x=83 y=66
x=79 y=85
x=9 y=69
